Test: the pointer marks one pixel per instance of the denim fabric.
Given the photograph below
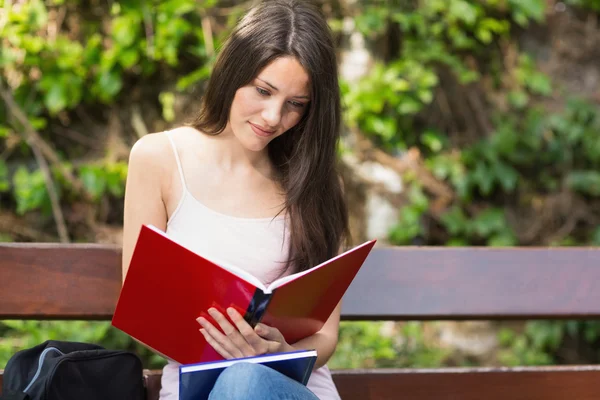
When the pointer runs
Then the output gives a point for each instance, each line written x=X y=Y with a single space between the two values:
x=255 y=381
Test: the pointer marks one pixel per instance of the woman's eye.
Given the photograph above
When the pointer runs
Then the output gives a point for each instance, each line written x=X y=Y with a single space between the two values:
x=262 y=91
x=296 y=104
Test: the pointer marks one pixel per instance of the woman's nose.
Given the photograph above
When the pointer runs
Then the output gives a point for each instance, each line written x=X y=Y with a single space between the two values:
x=272 y=114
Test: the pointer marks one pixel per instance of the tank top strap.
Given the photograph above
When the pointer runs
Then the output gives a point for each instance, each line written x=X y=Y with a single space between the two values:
x=170 y=136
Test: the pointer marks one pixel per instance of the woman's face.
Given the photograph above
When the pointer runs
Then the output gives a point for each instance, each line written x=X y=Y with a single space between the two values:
x=271 y=104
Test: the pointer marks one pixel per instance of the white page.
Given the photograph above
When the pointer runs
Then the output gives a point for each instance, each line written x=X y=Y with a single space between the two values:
x=229 y=267
x=281 y=281
x=254 y=360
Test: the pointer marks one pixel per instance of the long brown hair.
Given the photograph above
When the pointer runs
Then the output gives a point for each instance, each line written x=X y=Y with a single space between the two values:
x=305 y=156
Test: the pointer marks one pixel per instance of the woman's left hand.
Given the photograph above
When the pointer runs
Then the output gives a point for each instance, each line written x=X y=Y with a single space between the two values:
x=240 y=340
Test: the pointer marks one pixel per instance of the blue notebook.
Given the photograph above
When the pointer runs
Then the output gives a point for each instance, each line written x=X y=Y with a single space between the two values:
x=197 y=380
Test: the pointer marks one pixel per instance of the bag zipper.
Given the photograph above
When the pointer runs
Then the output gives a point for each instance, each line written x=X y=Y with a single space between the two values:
x=40 y=362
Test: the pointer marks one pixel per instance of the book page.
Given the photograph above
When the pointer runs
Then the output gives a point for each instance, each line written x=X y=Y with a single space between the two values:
x=248 y=277
x=281 y=281
x=265 y=358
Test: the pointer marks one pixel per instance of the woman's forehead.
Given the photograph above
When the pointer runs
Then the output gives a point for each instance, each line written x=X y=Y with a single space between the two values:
x=287 y=75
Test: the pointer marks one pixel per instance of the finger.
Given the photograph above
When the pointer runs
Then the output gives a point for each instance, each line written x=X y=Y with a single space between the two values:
x=232 y=333
x=268 y=332
x=250 y=336
x=215 y=345
x=223 y=340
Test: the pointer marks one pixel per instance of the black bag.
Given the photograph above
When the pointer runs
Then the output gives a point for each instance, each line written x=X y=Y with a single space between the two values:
x=56 y=370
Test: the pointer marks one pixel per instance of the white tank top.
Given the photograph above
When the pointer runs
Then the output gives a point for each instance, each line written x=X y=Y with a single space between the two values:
x=261 y=248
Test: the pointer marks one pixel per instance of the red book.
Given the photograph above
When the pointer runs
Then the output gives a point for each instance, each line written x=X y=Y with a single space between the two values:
x=168 y=286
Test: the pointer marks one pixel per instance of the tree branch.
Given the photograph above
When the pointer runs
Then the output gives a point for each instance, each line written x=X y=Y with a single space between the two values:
x=35 y=142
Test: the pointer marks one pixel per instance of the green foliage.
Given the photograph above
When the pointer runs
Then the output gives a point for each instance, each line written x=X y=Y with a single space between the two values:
x=54 y=74
x=86 y=69
x=410 y=223
x=593 y=5
x=100 y=180
x=30 y=191
x=4 y=180
x=366 y=345
x=17 y=335
x=541 y=340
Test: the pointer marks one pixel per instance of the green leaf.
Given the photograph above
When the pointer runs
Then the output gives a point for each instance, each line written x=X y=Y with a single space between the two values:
x=125 y=29
x=4 y=183
x=455 y=221
x=491 y=220
x=540 y=84
x=433 y=140
x=528 y=9
x=596 y=237
x=109 y=83
x=167 y=100
x=506 y=175
x=585 y=181
x=115 y=179
x=409 y=106
x=505 y=239
x=482 y=177
x=94 y=180
x=55 y=99
x=4 y=132
x=30 y=191
x=518 y=98
x=194 y=77
x=128 y=58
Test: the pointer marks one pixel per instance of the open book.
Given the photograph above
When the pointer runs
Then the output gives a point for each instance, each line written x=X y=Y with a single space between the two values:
x=197 y=380
x=168 y=286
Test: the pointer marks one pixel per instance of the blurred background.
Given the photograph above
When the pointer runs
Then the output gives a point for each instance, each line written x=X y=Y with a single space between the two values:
x=467 y=123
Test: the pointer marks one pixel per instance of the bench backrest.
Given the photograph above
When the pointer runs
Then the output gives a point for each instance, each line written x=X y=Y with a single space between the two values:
x=53 y=281
x=81 y=281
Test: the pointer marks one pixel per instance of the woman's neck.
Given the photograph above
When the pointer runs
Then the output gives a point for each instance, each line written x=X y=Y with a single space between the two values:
x=230 y=155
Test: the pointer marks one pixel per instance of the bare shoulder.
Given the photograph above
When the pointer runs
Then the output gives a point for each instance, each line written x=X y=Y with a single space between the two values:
x=152 y=155
x=149 y=150
x=186 y=137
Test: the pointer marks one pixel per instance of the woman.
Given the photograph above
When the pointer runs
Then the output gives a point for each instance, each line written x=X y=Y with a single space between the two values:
x=253 y=181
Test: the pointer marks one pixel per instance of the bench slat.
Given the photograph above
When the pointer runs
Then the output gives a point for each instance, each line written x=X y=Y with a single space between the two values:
x=51 y=281
x=471 y=384
x=81 y=281
x=442 y=283
x=530 y=383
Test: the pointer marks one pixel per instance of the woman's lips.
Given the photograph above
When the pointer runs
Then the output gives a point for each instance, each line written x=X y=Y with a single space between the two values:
x=261 y=131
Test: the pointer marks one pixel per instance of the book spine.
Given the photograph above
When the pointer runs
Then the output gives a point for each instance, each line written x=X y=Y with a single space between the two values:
x=309 y=371
x=257 y=307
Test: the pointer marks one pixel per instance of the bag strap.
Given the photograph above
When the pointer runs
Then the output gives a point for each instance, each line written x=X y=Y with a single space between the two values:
x=15 y=396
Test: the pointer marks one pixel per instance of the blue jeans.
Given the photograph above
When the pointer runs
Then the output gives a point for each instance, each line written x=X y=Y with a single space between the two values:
x=255 y=381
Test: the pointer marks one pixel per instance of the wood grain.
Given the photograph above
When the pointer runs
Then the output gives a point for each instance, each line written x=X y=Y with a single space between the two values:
x=44 y=281
x=530 y=383
x=56 y=281
x=533 y=383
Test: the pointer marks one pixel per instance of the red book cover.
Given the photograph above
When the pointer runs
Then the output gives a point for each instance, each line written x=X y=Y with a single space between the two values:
x=168 y=286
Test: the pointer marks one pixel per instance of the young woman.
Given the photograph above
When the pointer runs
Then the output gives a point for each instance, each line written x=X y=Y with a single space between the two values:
x=253 y=181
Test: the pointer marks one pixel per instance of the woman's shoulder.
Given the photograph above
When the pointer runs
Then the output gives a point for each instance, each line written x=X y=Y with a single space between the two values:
x=155 y=149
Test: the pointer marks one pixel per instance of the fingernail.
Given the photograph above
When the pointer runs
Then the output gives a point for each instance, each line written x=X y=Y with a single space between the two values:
x=231 y=311
x=201 y=320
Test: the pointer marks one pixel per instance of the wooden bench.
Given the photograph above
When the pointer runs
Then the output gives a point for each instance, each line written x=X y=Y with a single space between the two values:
x=52 y=281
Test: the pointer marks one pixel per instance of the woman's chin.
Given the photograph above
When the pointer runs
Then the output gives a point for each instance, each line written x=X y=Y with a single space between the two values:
x=256 y=146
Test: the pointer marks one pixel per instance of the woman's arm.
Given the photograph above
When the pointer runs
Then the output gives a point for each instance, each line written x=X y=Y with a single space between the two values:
x=143 y=192
x=324 y=341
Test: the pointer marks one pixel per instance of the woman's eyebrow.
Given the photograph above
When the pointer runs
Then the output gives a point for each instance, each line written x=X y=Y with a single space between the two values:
x=274 y=88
